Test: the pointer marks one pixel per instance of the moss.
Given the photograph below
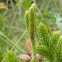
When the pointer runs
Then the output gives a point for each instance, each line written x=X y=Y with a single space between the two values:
x=10 y=57
x=50 y=45
x=27 y=19
x=32 y=29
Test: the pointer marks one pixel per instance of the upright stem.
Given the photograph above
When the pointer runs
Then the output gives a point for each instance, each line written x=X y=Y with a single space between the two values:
x=33 y=50
x=32 y=31
x=30 y=19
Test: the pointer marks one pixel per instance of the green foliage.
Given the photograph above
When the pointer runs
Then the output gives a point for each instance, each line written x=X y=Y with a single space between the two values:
x=59 y=51
x=43 y=34
x=48 y=19
x=1 y=57
x=49 y=15
x=10 y=57
x=1 y=21
x=50 y=44
x=55 y=38
x=27 y=4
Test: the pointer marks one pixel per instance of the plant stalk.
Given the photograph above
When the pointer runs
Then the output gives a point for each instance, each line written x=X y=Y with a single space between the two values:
x=32 y=31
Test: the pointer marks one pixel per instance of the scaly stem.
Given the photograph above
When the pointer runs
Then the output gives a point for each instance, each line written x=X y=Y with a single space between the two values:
x=33 y=50
x=32 y=31
x=30 y=19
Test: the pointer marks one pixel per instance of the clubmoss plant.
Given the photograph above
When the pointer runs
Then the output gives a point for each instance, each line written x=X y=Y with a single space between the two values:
x=50 y=44
x=10 y=57
x=27 y=19
x=31 y=28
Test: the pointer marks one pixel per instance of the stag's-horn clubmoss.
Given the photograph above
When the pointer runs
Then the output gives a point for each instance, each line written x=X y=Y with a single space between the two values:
x=31 y=27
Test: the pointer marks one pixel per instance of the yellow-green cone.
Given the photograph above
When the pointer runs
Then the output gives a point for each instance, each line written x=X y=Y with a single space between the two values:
x=27 y=19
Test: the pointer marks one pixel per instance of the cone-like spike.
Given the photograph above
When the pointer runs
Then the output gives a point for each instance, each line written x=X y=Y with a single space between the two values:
x=31 y=22
x=27 y=19
x=30 y=18
x=32 y=29
x=34 y=7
